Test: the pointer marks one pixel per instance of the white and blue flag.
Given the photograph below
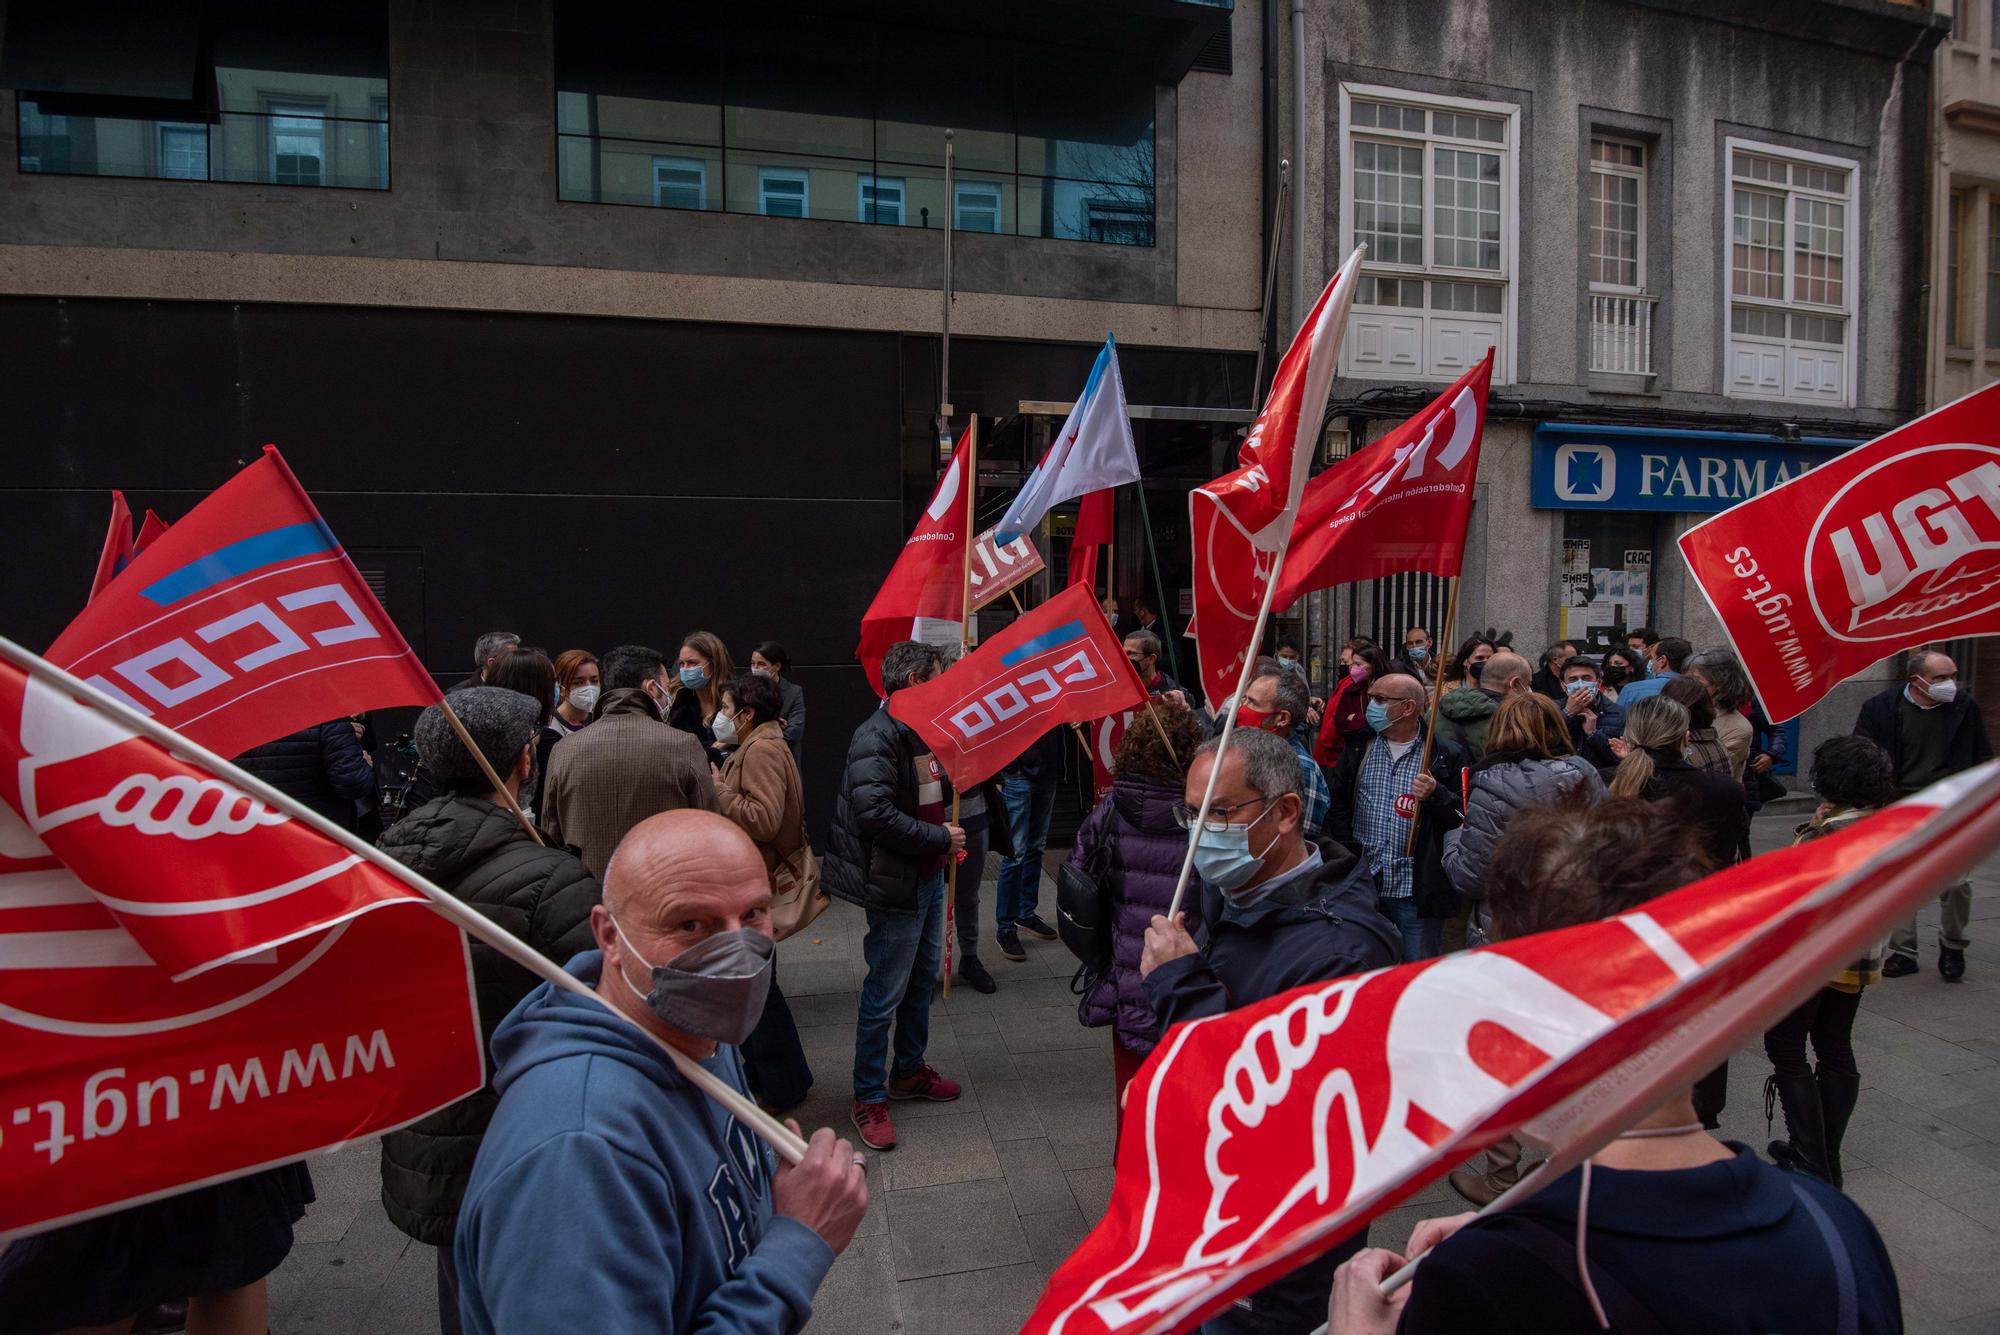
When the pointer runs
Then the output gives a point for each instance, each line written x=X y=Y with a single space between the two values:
x=1094 y=450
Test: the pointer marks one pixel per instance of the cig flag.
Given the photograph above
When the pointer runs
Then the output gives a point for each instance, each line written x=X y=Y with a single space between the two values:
x=1884 y=547
x=307 y=1021
x=924 y=596
x=1060 y=663
x=1093 y=450
x=1399 y=505
x=243 y=622
x=1256 y=1139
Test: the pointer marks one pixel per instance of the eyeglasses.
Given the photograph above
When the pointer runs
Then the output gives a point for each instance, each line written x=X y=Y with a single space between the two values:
x=1218 y=817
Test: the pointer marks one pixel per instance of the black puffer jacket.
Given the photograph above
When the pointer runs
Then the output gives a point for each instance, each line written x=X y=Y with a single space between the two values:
x=1500 y=787
x=322 y=766
x=880 y=850
x=481 y=854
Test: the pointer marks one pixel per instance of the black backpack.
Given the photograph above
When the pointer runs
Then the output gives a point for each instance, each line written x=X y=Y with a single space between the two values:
x=1086 y=908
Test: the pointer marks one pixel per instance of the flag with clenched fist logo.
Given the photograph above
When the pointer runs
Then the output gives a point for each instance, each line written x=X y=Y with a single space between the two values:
x=1255 y=1140
x=1890 y=545
x=1061 y=663
x=193 y=985
x=243 y=622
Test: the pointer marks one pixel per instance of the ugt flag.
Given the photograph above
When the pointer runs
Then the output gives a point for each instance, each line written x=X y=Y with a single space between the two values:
x=243 y=622
x=1256 y=1139
x=1893 y=543
x=203 y=991
x=1262 y=496
x=1399 y=505
x=1060 y=663
x=1093 y=450
x=924 y=596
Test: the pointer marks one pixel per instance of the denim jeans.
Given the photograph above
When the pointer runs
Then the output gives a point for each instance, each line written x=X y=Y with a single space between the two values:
x=1031 y=803
x=902 y=950
x=1423 y=938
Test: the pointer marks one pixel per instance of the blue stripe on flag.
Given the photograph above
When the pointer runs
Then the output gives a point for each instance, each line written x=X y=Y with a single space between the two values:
x=240 y=558
x=1048 y=639
x=1096 y=372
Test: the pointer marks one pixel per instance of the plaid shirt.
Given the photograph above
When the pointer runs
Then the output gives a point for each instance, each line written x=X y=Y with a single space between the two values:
x=1382 y=833
x=1318 y=796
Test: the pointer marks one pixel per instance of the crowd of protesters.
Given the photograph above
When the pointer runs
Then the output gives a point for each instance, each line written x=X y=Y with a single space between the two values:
x=638 y=817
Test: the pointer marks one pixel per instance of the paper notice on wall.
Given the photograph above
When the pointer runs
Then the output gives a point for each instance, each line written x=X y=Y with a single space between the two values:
x=1576 y=556
x=1638 y=558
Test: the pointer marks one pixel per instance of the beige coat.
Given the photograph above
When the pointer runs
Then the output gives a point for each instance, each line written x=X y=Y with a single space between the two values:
x=760 y=790
x=1734 y=732
x=618 y=771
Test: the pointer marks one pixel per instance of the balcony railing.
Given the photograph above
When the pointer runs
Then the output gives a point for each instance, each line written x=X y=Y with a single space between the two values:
x=1621 y=333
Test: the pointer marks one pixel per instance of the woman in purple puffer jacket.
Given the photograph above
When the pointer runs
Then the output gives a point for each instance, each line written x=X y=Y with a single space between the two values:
x=1135 y=823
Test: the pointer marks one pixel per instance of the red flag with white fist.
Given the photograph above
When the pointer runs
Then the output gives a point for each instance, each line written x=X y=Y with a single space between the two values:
x=243 y=622
x=194 y=986
x=1256 y=1139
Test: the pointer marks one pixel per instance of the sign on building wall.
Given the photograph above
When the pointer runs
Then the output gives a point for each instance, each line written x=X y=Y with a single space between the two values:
x=1643 y=468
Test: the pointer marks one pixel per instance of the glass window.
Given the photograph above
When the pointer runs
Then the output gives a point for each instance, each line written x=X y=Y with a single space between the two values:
x=1376 y=290
x=1954 y=279
x=976 y=206
x=783 y=192
x=880 y=199
x=680 y=183
x=1389 y=202
x=183 y=152
x=1993 y=275
x=1617 y=215
x=1790 y=302
x=1758 y=260
x=1468 y=208
x=1120 y=221
x=298 y=143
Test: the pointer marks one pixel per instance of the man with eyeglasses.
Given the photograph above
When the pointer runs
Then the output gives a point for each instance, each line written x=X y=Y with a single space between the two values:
x=1277 y=911
x=1378 y=789
x=1142 y=647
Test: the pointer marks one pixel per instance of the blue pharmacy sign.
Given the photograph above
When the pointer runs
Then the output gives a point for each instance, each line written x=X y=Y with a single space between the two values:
x=1649 y=468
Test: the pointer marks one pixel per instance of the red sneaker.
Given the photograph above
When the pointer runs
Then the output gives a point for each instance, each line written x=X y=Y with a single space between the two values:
x=925 y=1084
x=872 y=1121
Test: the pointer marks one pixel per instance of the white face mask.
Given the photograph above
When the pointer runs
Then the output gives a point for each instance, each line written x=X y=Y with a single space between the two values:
x=764 y=672
x=724 y=728
x=583 y=699
x=1944 y=692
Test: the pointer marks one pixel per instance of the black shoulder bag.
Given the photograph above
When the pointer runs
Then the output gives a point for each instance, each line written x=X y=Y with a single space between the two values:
x=1086 y=907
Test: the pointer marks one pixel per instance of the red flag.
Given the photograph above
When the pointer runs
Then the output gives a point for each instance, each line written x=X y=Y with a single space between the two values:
x=1261 y=497
x=1892 y=544
x=1061 y=663
x=1094 y=523
x=924 y=596
x=117 y=545
x=243 y=622
x=1256 y=1139
x=150 y=528
x=127 y=1084
x=1399 y=505
x=1105 y=734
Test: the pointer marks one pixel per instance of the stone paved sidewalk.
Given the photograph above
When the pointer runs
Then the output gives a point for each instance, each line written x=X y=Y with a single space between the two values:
x=986 y=1195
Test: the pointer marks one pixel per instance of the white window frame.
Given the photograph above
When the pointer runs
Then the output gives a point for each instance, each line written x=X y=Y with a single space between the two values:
x=1631 y=173
x=160 y=131
x=1508 y=277
x=798 y=176
x=1849 y=312
x=869 y=181
x=979 y=196
x=280 y=108
x=672 y=163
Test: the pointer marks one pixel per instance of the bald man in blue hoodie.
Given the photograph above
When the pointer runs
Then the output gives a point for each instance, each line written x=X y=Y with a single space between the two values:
x=610 y=1194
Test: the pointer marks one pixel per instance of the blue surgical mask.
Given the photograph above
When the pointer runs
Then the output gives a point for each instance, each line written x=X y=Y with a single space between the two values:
x=1294 y=665
x=1418 y=653
x=1223 y=857
x=1378 y=715
x=694 y=678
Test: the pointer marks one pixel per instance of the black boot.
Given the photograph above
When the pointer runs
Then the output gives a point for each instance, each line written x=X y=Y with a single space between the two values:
x=1804 y=1151
x=1837 y=1096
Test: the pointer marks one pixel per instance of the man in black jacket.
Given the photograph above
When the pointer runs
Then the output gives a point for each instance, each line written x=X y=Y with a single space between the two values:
x=1378 y=788
x=323 y=767
x=888 y=852
x=1931 y=730
x=1278 y=911
x=468 y=842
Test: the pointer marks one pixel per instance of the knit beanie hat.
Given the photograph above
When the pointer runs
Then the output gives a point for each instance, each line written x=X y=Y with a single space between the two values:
x=499 y=720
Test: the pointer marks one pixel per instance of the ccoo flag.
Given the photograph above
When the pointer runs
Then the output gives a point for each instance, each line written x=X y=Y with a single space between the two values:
x=202 y=992
x=1094 y=450
x=1254 y=1140
x=243 y=622
x=1060 y=663
x=1892 y=544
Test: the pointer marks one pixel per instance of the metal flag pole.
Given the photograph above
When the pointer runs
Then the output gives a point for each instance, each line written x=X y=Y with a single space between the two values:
x=944 y=326
x=1159 y=584
x=1271 y=276
x=964 y=643
x=468 y=920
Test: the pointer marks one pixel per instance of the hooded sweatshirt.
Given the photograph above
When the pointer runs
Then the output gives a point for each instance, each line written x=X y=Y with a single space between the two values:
x=1465 y=714
x=612 y=1195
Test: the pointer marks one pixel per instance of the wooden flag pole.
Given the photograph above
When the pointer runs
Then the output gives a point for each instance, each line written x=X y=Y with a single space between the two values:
x=1164 y=739
x=1431 y=729
x=486 y=768
x=467 y=919
x=964 y=642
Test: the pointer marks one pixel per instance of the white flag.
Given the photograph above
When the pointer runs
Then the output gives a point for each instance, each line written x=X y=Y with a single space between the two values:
x=1094 y=450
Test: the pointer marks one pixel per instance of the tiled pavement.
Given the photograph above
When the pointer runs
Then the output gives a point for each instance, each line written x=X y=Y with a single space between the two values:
x=986 y=1195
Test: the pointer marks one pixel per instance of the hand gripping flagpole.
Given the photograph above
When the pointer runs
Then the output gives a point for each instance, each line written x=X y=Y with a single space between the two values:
x=774 y=1133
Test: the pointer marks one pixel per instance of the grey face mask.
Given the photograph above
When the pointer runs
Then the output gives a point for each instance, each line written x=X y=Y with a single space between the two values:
x=714 y=989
